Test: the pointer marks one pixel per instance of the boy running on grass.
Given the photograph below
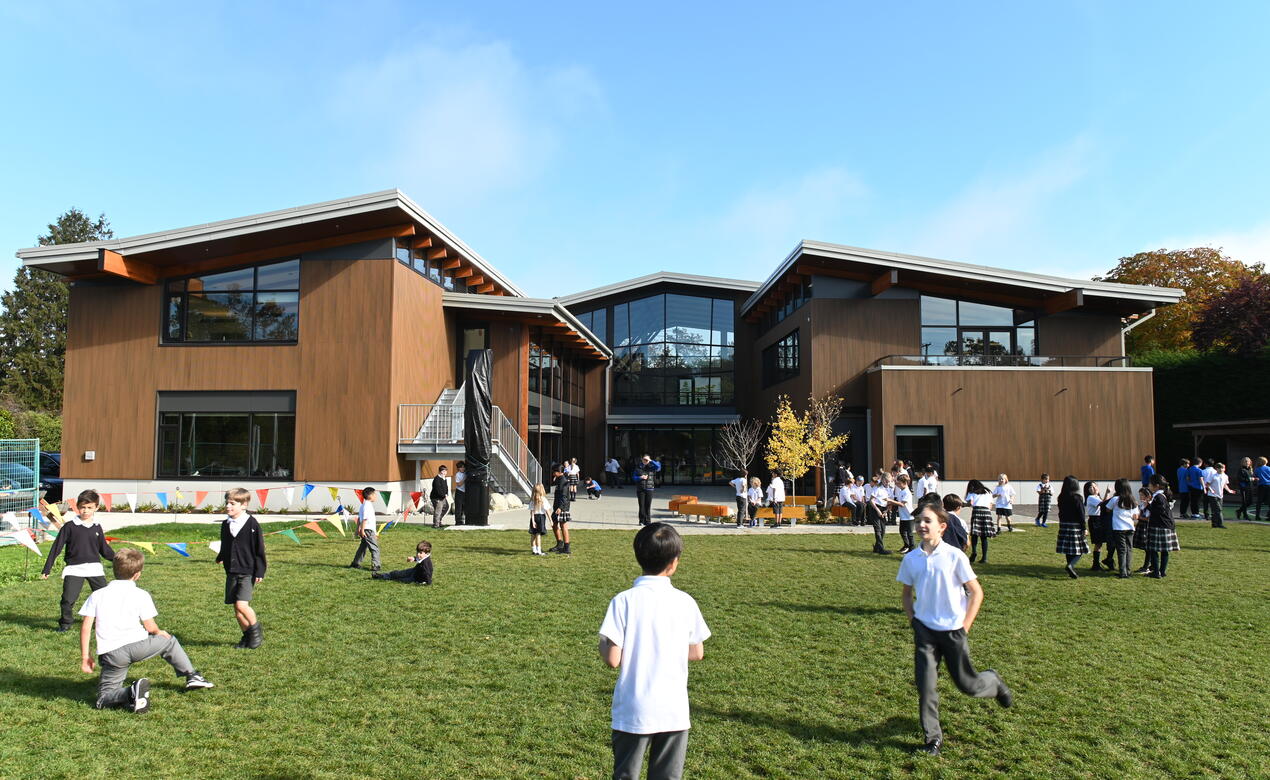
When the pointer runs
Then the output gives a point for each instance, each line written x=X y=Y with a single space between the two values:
x=123 y=616
x=651 y=632
x=941 y=598
x=242 y=550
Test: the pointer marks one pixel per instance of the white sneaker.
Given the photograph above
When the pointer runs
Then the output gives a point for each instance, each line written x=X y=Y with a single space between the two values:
x=140 y=694
x=196 y=680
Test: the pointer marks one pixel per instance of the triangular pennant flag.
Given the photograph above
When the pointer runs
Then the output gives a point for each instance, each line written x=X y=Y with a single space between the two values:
x=307 y=490
x=199 y=495
x=360 y=497
x=107 y=499
x=180 y=548
x=335 y=494
x=391 y=523
x=132 y=500
x=112 y=538
x=35 y=512
x=163 y=499
x=415 y=496
x=289 y=492
x=179 y=497
x=315 y=528
x=148 y=547
x=287 y=532
x=214 y=546
x=263 y=495
x=340 y=510
x=387 y=494
x=52 y=510
x=23 y=537
x=50 y=533
x=333 y=520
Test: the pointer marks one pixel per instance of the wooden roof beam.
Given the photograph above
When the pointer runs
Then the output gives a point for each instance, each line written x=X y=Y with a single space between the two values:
x=884 y=282
x=1073 y=298
x=423 y=242
x=485 y=288
x=464 y=272
x=116 y=264
x=436 y=254
x=451 y=264
x=281 y=252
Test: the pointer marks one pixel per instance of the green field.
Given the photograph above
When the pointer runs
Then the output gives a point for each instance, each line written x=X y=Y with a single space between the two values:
x=493 y=671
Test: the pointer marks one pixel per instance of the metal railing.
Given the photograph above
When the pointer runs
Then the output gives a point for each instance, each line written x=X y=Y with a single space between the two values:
x=516 y=455
x=440 y=427
x=430 y=424
x=1012 y=361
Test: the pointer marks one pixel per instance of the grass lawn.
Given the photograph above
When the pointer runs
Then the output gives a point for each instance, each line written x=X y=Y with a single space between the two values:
x=493 y=671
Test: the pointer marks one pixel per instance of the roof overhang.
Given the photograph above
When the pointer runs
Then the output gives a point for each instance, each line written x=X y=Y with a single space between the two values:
x=548 y=314
x=1018 y=289
x=175 y=252
x=661 y=277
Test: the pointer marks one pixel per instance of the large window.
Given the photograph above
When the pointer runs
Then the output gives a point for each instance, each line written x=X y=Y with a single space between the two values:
x=255 y=304
x=967 y=333
x=671 y=350
x=781 y=360
x=217 y=435
x=921 y=444
x=791 y=304
x=557 y=405
x=687 y=453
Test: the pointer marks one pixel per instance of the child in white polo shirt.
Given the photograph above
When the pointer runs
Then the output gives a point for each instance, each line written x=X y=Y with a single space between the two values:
x=651 y=632
x=123 y=616
x=942 y=596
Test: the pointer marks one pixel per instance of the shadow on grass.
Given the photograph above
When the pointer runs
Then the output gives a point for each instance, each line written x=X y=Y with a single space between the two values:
x=31 y=621
x=898 y=732
x=45 y=687
x=836 y=609
x=1026 y=570
x=487 y=550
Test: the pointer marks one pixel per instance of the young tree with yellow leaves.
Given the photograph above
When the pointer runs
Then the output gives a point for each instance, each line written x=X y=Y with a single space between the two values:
x=788 y=449
x=821 y=440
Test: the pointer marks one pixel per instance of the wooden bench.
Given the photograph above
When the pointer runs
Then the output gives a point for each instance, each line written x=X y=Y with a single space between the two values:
x=708 y=511
x=678 y=501
x=801 y=500
x=843 y=512
x=788 y=513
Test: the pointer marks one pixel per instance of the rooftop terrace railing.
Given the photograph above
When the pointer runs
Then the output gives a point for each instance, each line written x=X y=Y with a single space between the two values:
x=1005 y=361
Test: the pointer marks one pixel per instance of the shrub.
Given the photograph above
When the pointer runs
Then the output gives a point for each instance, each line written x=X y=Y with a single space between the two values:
x=39 y=425
x=8 y=430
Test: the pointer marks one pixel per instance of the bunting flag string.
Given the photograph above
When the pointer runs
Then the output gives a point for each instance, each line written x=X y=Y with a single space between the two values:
x=415 y=496
x=387 y=494
x=199 y=495
x=317 y=529
x=180 y=548
x=173 y=500
x=132 y=501
x=263 y=495
x=52 y=510
x=23 y=537
x=335 y=521
x=360 y=497
x=163 y=499
x=179 y=497
x=307 y=490
x=335 y=494
x=290 y=535
x=39 y=517
x=289 y=492
x=106 y=499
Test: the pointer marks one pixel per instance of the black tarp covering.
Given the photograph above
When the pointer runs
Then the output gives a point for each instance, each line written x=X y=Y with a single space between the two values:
x=476 y=436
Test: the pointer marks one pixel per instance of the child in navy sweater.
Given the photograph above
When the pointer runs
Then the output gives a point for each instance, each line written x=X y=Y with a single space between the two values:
x=85 y=545
x=420 y=574
x=242 y=550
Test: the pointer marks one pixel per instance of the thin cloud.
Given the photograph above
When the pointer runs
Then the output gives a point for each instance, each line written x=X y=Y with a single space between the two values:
x=456 y=123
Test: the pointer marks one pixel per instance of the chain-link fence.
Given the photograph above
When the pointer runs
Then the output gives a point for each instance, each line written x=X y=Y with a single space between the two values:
x=19 y=475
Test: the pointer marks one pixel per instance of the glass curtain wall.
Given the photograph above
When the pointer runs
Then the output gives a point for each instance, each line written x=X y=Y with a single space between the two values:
x=686 y=452
x=557 y=405
x=669 y=350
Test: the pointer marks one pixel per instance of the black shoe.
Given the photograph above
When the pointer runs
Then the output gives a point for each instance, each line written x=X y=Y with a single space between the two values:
x=255 y=637
x=972 y=558
x=1108 y=563
x=139 y=696
x=242 y=643
x=931 y=748
x=63 y=629
x=1071 y=571
x=1143 y=570
x=565 y=550
x=1004 y=697
x=883 y=552
x=983 y=561
x=1095 y=567
x=1122 y=576
x=354 y=566
x=1155 y=575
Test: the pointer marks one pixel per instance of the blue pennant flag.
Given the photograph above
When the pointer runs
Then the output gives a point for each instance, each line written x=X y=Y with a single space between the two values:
x=35 y=512
x=339 y=510
x=163 y=499
x=180 y=548
x=307 y=490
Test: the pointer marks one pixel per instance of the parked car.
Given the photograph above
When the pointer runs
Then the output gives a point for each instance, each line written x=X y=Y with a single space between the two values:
x=15 y=476
x=51 y=476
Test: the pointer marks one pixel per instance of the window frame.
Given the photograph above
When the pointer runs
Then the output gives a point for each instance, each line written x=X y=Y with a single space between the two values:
x=167 y=295
x=773 y=372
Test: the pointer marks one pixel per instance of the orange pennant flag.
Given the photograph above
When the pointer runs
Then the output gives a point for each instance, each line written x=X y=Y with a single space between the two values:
x=315 y=528
x=107 y=499
x=199 y=495
x=263 y=495
x=358 y=491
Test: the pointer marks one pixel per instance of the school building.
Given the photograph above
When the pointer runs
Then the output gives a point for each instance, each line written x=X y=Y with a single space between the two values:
x=326 y=344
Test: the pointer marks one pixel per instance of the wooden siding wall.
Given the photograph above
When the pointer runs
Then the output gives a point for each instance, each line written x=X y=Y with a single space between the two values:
x=115 y=367
x=1094 y=424
x=509 y=371
x=760 y=402
x=423 y=358
x=849 y=335
x=594 y=380
x=1079 y=333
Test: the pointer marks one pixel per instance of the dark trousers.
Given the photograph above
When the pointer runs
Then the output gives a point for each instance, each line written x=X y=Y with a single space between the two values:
x=1245 y=500
x=666 y=753
x=401 y=575
x=460 y=497
x=906 y=533
x=742 y=507
x=645 y=506
x=610 y=479
x=1183 y=504
x=928 y=648
x=71 y=588
x=975 y=540
x=879 y=526
x=1196 y=494
x=1263 y=497
x=1212 y=510
x=1123 y=542
x=1158 y=561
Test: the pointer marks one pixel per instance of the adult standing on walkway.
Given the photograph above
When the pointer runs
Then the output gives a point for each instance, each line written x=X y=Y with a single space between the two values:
x=611 y=469
x=439 y=496
x=646 y=474
x=460 y=491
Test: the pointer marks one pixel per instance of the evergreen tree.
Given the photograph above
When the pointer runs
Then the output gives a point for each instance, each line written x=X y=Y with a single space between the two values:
x=33 y=320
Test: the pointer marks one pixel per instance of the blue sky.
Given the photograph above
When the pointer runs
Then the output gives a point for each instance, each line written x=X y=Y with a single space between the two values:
x=575 y=145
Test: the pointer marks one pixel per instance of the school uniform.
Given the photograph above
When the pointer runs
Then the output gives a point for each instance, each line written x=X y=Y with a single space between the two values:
x=1214 y=490
x=645 y=484
x=742 y=499
x=439 y=496
x=776 y=497
x=419 y=574
x=981 y=521
x=85 y=546
x=538 y=518
x=1246 y=482
x=754 y=499
x=369 y=539
x=560 y=502
x=1123 y=521
x=1004 y=495
x=1097 y=528
x=955 y=532
x=1140 y=530
x=1044 y=492
x=876 y=509
x=926 y=486
x=1161 y=535
x=1071 y=527
x=905 y=509
x=242 y=551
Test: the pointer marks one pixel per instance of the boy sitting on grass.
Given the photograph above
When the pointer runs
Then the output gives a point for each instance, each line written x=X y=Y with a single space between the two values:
x=421 y=574
x=651 y=632
x=123 y=616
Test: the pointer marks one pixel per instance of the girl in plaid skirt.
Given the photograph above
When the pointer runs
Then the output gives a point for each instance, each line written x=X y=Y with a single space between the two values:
x=1161 y=531
x=982 y=524
x=1071 y=524
x=1043 y=494
x=1140 y=530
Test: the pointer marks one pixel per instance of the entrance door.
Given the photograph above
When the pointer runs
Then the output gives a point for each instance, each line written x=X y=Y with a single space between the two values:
x=471 y=337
